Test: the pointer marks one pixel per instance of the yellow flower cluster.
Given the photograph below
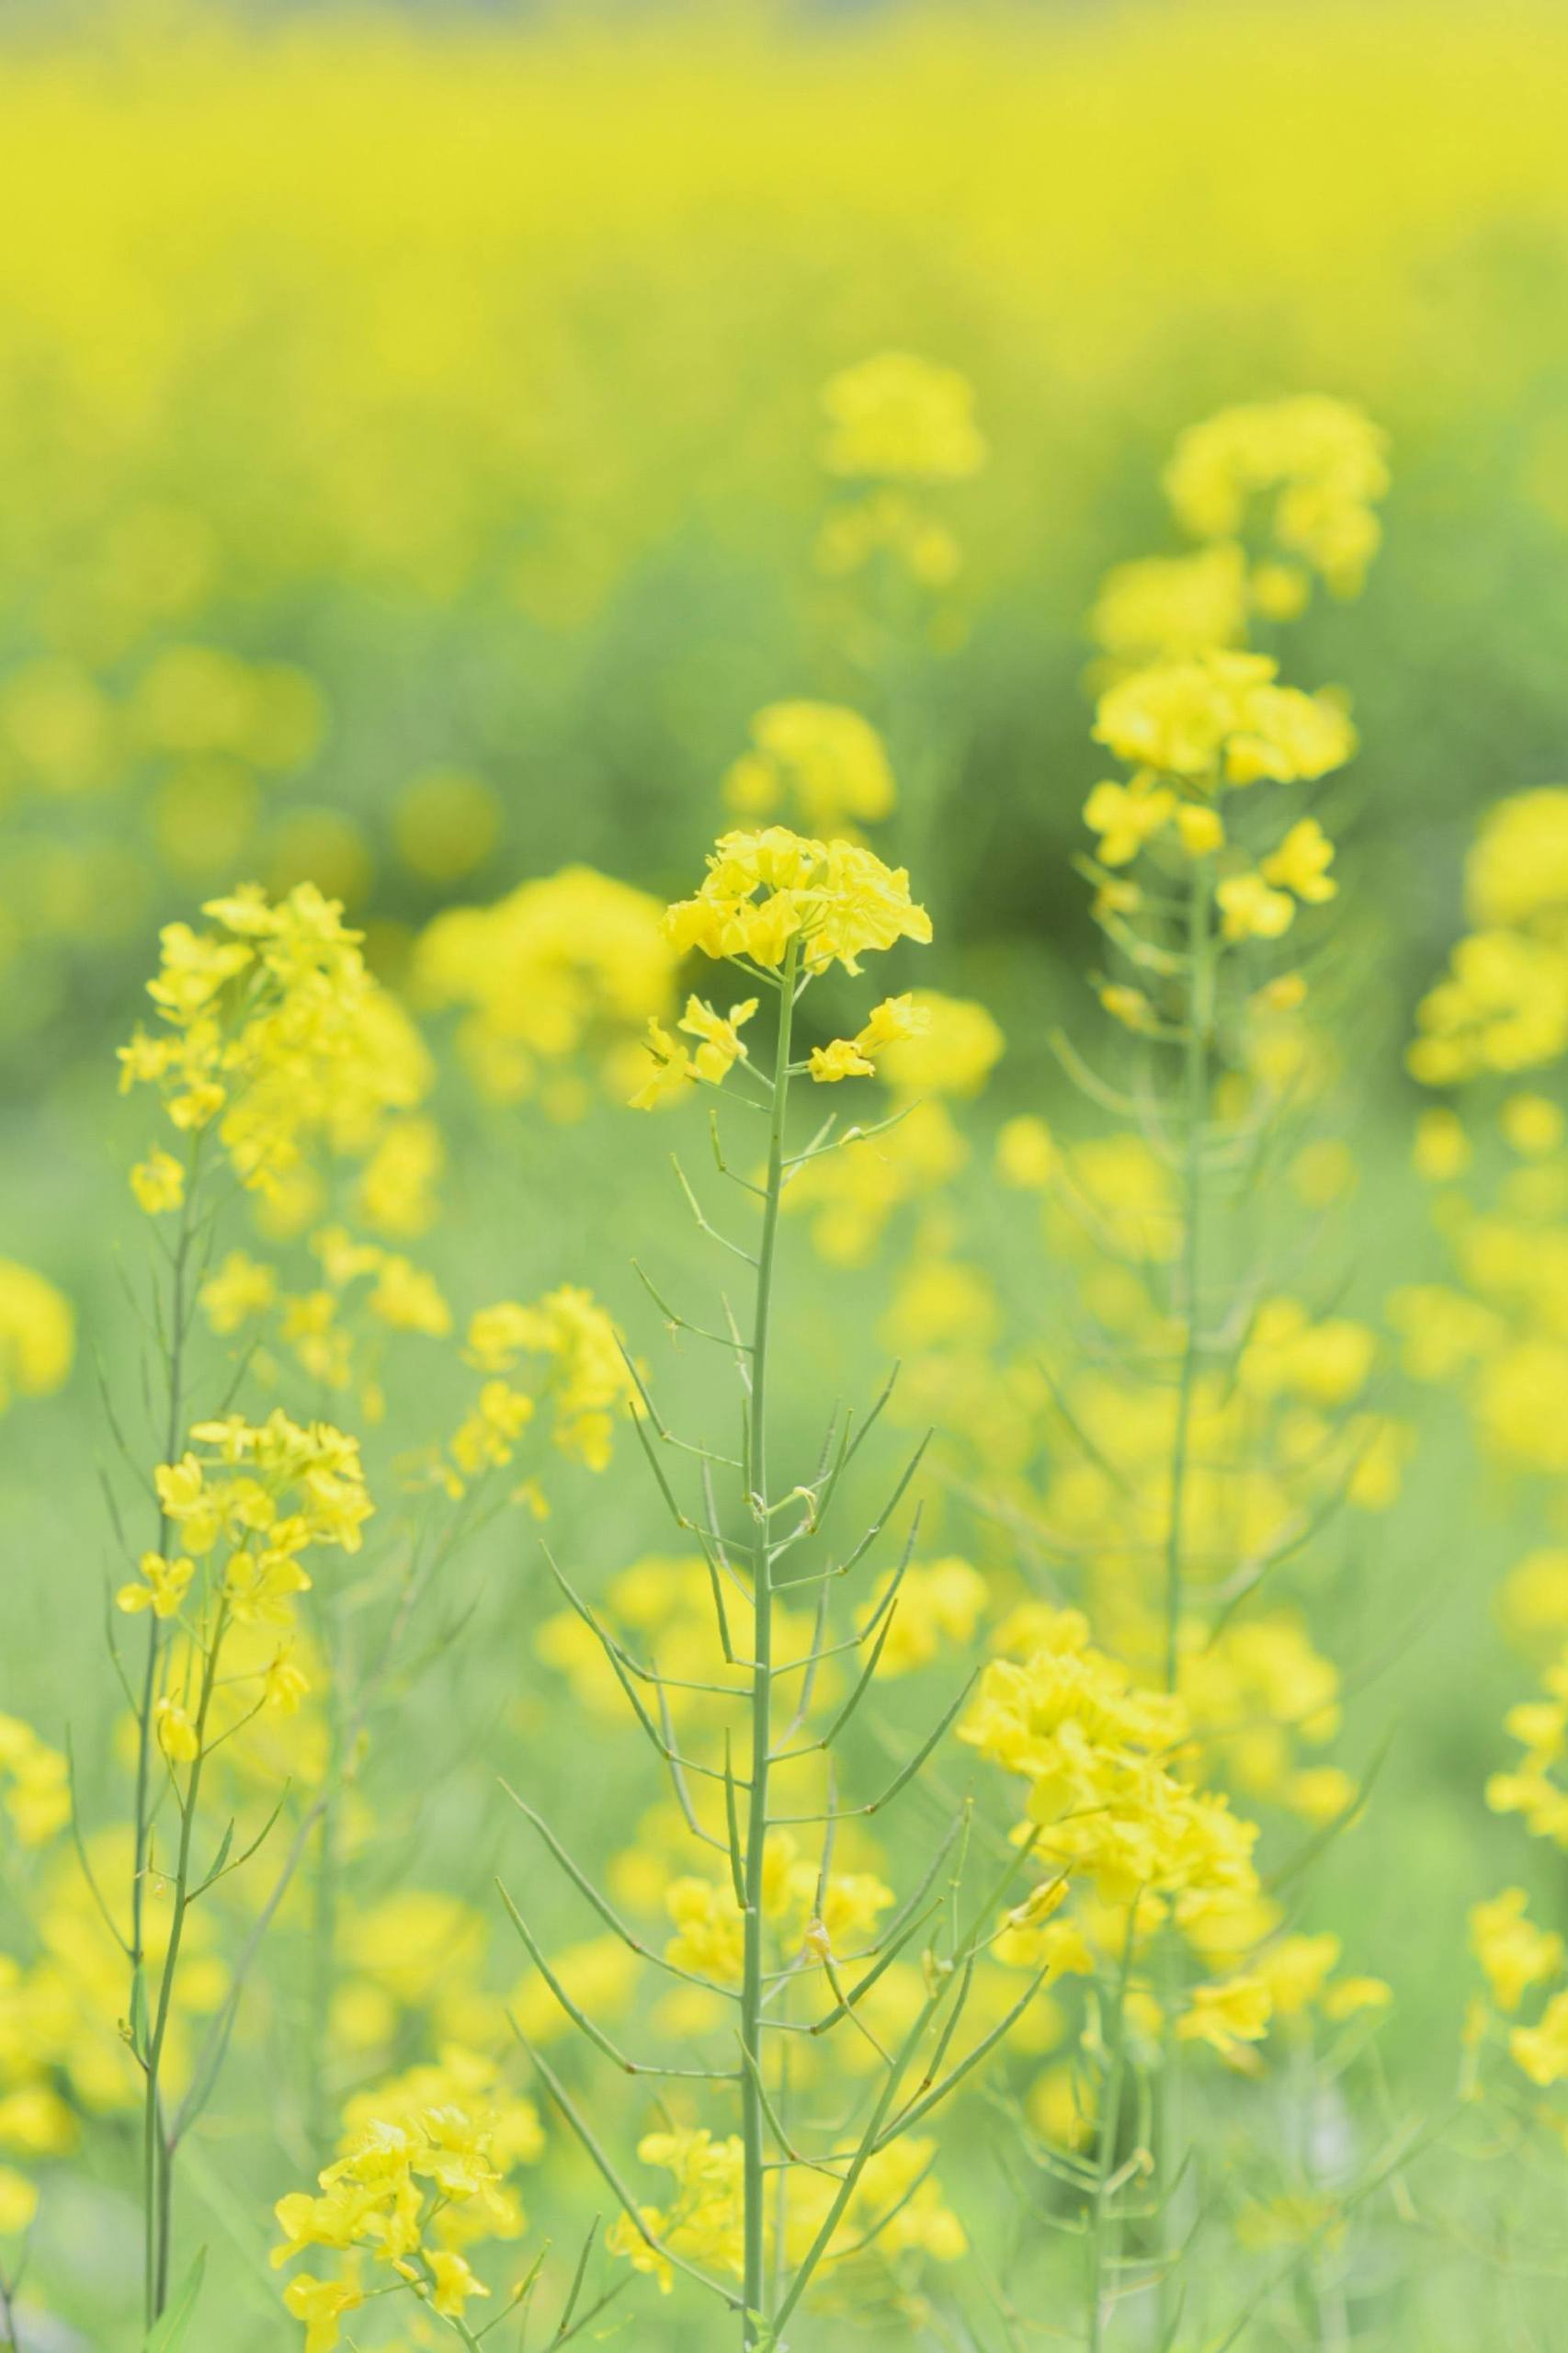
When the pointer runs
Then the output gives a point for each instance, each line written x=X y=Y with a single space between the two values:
x=895 y=1022
x=898 y=426
x=1530 y=1789
x=1196 y=729
x=1220 y=719
x=949 y=1048
x=1172 y=607
x=672 y=1599
x=578 y=1372
x=62 y=2060
x=896 y=2207
x=421 y=2183
x=1099 y=1756
x=708 y=1920
x=1499 y=1332
x=765 y=889
x=558 y=977
x=937 y=1610
x=277 y=1036
x=1516 y=1955
x=901 y=418
x=1269 y=1445
x=35 y=1783
x=1317 y=466
x=1299 y=480
x=267 y=1494
x=821 y=761
x=38 y=1334
x=677 y=1068
x=1503 y=1003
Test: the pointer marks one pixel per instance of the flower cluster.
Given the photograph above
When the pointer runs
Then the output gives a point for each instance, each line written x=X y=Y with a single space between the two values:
x=1516 y=1956
x=764 y=890
x=62 y=2060
x=265 y=1494
x=1503 y=1003
x=578 y=1372
x=555 y=981
x=1317 y=465
x=1131 y=1841
x=821 y=761
x=896 y=2207
x=422 y=2182
x=276 y=1036
x=38 y=1334
x=900 y=418
x=33 y=1783
x=812 y=1913
x=898 y=426
x=945 y=1050
x=1498 y=1331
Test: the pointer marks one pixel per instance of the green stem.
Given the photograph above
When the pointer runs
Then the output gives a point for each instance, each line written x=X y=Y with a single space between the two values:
x=1199 y=1022
x=324 y=1958
x=753 y=2120
x=1199 y=1026
x=157 y=2156
x=1101 y=2219
x=142 y=1830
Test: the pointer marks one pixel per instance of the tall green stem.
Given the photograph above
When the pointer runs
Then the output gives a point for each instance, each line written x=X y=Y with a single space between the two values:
x=179 y=1309
x=1199 y=1022
x=1195 y=1085
x=1101 y=2218
x=157 y=2155
x=752 y=2117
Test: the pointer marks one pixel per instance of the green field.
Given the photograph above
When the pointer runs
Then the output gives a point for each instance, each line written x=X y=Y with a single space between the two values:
x=454 y=469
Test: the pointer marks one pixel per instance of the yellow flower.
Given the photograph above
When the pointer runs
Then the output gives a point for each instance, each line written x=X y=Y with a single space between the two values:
x=894 y=1023
x=37 y=1334
x=1302 y=861
x=721 y=1046
x=1228 y=2015
x=1026 y=1153
x=1125 y=816
x=901 y=418
x=158 y=1182
x=840 y=1059
x=1222 y=717
x=1250 y=910
x=285 y=1685
x=1349 y=1997
x=1201 y=828
x=452 y=2282
x=672 y=1074
x=1165 y=607
x=1513 y=1952
x=928 y=1043
x=1294 y=1971
x=763 y=890
x=564 y=970
x=1321 y=465
x=19 y=2203
x=1542 y=2052
x=163 y=1586
x=1532 y=1124
x=826 y=758
x=321 y=2304
x=1127 y=1005
x=177 y=1734
x=241 y=1288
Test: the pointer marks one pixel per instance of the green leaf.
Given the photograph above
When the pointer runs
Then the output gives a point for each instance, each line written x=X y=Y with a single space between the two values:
x=168 y=2335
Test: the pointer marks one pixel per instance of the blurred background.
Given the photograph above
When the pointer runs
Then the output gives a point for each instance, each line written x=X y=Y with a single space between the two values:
x=410 y=429
x=412 y=478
